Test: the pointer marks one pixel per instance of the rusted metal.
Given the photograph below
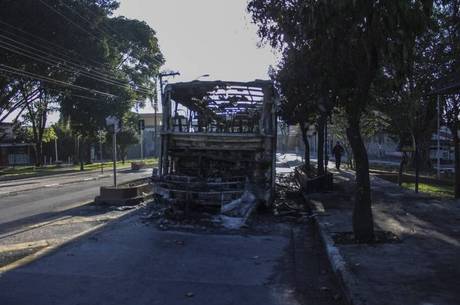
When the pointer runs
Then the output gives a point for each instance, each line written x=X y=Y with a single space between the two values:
x=218 y=139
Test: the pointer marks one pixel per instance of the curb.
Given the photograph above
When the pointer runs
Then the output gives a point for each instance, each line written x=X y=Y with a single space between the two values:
x=346 y=280
x=74 y=239
x=103 y=176
x=67 y=173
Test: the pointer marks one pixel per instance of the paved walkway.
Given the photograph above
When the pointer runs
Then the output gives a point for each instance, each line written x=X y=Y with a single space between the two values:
x=423 y=268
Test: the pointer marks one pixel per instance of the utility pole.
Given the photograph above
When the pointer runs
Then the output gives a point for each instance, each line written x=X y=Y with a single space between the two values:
x=165 y=74
x=115 y=123
x=100 y=151
x=80 y=157
x=438 y=157
x=141 y=131
x=160 y=76
x=114 y=155
x=326 y=143
x=155 y=123
x=56 y=150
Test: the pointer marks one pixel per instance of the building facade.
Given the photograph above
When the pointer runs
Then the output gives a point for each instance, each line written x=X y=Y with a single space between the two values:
x=11 y=152
x=150 y=137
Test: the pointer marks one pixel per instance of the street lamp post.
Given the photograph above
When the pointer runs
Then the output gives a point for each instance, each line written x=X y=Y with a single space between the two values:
x=115 y=122
x=56 y=150
x=438 y=157
x=161 y=75
x=114 y=148
x=201 y=76
x=165 y=74
x=80 y=157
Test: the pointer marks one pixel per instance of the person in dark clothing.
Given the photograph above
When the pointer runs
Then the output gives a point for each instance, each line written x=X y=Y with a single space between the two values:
x=338 y=152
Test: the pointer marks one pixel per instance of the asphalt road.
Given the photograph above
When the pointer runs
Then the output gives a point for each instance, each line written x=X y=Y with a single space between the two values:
x=51 y=195
x=133 y=262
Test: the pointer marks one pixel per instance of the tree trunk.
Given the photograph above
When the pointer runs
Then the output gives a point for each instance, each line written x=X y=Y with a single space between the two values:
x=350 y=160
x=424 y=161
x=417 y=166
x=320 y=144
x=401 y=167
x=457 y=166
x=303 y=128
x=363 y=223
x=80 y=155
x=454 y=130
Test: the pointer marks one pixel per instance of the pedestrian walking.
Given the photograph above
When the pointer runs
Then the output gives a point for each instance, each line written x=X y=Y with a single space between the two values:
x=338 y=152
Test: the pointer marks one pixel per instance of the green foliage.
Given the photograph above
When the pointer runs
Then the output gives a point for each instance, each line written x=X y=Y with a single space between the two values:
x=128 y=134
x=79 y=43
x=25 y=135
x=49 y=135
x=348 y=44
x=295 y=82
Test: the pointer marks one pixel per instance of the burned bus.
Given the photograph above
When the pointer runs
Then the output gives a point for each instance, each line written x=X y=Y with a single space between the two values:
x=218 y=140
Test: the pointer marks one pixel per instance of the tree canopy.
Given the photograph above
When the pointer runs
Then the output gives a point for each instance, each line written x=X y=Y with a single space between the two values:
x=349 y=43
x=96 y=64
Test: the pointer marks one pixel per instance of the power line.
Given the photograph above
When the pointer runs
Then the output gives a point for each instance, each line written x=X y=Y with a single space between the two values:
x=68 y=58
x=51 y=46
x=85 y=97
x=63 y=67
x=80 y=27
x=15 y=71
x=68 y=19
x=66 y=63
x=82 y=17
x=82 y=70
x=70 y=70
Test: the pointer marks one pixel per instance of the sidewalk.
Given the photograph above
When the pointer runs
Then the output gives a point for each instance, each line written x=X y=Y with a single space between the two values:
x=423 y=268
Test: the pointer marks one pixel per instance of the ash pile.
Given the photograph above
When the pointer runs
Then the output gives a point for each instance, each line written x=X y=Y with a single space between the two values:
x=184 y=212
x=289 y=204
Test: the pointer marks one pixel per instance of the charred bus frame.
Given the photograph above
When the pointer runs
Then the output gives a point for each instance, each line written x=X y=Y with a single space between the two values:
x=218 y=139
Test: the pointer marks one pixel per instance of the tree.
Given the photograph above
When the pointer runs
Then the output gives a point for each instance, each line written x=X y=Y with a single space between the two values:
x=350 y=41
x=37 y=115
x=449 y=66
x=297 y=107
x=128 y=134
x=10 y=101
x=451 y=117
x=410 y=105
x=31 y=49
x=372 y=122
x=126 y=138
x=65 y=140
x=134 y=55
x=96 y=64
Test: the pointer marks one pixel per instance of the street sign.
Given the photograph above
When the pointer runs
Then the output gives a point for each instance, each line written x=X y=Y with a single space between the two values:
x=113 y=121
